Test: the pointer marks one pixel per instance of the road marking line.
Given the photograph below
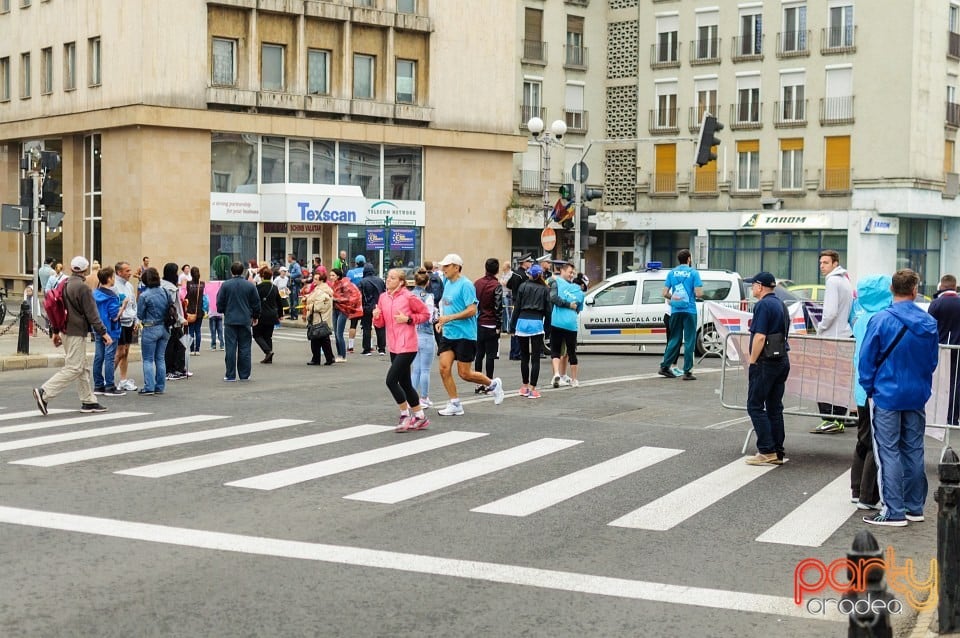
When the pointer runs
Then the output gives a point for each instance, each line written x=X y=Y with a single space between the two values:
x=87 y=419
x=817 y=518
x=154 y=443
x=460 y=472
x=677 y=506
x=114 y=429
x=725 y=424
x=36 y=413
x=419 y=564
x=285 y=338
x=566 y=487
x=302 y=473
x=233 y=455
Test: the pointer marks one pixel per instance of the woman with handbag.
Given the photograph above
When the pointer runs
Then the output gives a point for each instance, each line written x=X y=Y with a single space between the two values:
x=399 y=311
x=194 y=312
x=269 y=312
x=319 y=314
x=347 y=304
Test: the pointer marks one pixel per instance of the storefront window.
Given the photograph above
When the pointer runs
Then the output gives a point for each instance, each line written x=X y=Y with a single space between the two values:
x=233 y=162
x=230 y=242
x=360 y=166
x=402 y=172
x=396 y=254
x=299 y=162
x=324 y=162
x=272 y=157
x=787 y=254
x=918 y=248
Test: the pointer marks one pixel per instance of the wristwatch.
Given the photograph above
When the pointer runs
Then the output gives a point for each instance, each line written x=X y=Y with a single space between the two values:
x=409 y=320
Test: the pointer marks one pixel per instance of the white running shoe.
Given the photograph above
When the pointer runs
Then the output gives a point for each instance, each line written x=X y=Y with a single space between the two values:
x=555 y=382
x=451 y=409
x=425 y=402
x=128 y=385
x=497 y=388
x=566 y=380
x=574 y=383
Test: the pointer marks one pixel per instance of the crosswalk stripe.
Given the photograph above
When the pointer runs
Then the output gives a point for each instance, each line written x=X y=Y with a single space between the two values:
x=114 y=429
x=154 y=443
x=22 y=415
x=558 y=490
x=233 y=455
x=817 y=519
x=302 y=473
x=87 y=419
x=453 y=474
x=680 y=504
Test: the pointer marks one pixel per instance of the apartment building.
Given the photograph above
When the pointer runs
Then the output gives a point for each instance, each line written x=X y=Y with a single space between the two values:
x=208 y=131
x=840 y=129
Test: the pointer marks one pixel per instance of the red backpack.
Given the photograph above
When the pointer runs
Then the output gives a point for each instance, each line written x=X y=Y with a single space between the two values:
x=55 y=307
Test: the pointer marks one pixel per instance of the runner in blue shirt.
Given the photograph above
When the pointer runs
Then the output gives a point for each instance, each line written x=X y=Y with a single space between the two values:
x=682 y=289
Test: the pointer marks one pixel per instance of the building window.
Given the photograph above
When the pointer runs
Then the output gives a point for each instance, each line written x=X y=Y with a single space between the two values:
x=707 y=46
x=25 y=87
x=667 y=29
x=918 y=248
x=360 y=166
x=69 y=66
x=949 y=151
x=363 y=69
x=706 y=99
x=789 y=254
x=573 y=113
x=751 y=34
x=92 y=192
x=575 y=54
x=406 y=81
x=838 y=104
x=93 y=56
x=665 y=175
x=836 y=172
x=794 y=38
x=840 y=29
x=531 y=101
x=271 y=67
x=4 y=6
x=46 y=71
x=748 y=100
x=224 y=62
x=272 y=160
x=666 y=105
x=534 y=49
x=748 y=165
x=298 y=162
x=402 y=172
x=4 y=79
x=406 y=6
x=324 y=162
x=791 y=164
x=318 y=72
x=233 y=161
x=792 y=97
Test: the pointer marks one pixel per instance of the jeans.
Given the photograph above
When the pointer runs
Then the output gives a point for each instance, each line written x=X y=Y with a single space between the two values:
x=153 y=347
x=216 y=330
x=767 y=378
x=898 y=449
x=103 y=364
x=195 y=332
x=339 y=326
x=683 y=328
x=426 y=352
x=294 y=300
x=237 y=354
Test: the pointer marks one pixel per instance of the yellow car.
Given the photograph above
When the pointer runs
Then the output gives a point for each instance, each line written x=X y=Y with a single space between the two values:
x=811 y=292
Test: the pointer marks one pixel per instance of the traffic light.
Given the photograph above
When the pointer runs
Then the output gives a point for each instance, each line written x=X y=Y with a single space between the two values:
x=588 y=228
x=50 y=193
x=565 y=208
x=567 y=192
x=708 y=126
x=26 y=192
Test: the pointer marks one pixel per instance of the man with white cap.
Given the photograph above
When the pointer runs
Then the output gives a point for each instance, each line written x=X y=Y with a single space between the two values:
x=457 y=326
x=82 y=316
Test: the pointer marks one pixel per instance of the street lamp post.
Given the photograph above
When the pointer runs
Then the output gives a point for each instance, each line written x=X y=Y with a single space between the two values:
x=546 y=139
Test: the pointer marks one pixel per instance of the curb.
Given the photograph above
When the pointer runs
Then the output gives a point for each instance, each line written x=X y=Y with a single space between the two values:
x=51 y=360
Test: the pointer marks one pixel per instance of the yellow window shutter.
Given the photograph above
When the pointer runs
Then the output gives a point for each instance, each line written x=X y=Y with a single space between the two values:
x=666 y=156
x=748 y=146
x=838 y=152
x=791 y=144
x=949 y=147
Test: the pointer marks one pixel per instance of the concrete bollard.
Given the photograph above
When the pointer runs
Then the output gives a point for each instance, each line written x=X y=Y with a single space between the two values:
x=866 y=619
x=948 y=542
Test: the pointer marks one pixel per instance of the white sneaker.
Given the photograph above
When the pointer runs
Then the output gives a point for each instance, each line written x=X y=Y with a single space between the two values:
x=425 y=402
x=451 y=409
x=574 y=383
x=566 y=380
x=128 y=385
x=497 y=388
x=555 y=382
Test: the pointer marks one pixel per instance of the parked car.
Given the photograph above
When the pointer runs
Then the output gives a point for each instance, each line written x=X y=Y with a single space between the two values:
x=628 y=309
x=811 y=292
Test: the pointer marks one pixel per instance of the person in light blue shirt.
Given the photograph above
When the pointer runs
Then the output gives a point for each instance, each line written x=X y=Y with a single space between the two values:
x=682 y=289
x=567 y=301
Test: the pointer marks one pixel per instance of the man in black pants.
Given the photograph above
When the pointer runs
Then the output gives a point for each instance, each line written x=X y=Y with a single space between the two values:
x=489 y=318
x=518 y=277
x=371 y=287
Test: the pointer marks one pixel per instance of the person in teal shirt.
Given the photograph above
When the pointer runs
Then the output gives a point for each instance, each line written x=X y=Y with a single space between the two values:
x=567 y=300
x=682 y=289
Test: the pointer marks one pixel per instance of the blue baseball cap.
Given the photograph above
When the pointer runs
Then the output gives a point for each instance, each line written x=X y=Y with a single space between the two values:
x=535 y=271
x=765 y=279
x=360 y=260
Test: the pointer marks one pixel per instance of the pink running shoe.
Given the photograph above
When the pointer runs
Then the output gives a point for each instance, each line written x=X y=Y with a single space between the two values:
x=525 y=392
x=533 y=394
x=403 y=423
x=417 y=423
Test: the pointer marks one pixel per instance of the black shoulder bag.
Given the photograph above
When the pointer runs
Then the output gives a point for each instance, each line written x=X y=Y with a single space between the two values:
x=775 y=345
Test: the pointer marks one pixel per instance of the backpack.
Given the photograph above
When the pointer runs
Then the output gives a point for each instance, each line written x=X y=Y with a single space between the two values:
x=170 y=318
x=55 y=307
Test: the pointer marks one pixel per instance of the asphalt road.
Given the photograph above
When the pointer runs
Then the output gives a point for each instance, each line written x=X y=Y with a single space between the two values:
x=108 y=542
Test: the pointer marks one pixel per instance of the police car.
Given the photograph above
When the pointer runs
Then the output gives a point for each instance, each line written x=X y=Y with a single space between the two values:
x=628 y=309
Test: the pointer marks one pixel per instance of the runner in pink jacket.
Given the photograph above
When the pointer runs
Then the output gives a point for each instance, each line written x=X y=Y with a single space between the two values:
x=399 y=311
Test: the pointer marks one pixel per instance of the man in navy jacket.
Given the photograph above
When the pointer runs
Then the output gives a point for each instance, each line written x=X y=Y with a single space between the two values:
x=239 y=302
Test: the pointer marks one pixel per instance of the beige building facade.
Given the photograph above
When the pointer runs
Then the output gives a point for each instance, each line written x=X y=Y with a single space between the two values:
x=207 y=132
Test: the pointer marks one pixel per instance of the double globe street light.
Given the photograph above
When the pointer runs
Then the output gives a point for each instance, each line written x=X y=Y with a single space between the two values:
x=546 y=139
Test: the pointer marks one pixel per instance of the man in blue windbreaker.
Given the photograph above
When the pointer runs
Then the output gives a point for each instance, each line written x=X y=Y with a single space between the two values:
x=897 y=360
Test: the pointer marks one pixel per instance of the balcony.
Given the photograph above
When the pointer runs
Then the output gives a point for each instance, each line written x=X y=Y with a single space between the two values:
x=706 y=51
x=530 y=182
x=534 y=52
x=578 y=3
x=326 y=104
x=413 y=113
x=664 y=57
x=704 y=182
x=790 y=114
x=527 y=111
x=836 y=110
x=577 y=121
x=229 y=96
x=281 y=6
x=835 y=181
x=745 y=116
x=792 y=184
x=371 y=108
x=663 y=122
x=368 y=12
x=953 y=114
x=280 y=101
x=951 y=185
x=746 y=48
x=745 y=185
x=793 y=44
x=837 y=40
x=695 y=116
x=953 y=45
x=663 y=184
x=575 y=58
x=326 y=10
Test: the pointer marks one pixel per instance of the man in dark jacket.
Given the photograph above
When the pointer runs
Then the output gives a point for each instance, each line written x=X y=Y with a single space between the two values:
x=239 y=302
x=489 y=317
x=82 y=316
x=371 y=287
x=945 y=308
x=518 y=277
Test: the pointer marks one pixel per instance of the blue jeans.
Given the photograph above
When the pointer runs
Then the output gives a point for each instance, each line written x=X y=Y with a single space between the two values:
x=767 y=379
x=898 y=449
x=683 y=328
x=216 y=330
x=294 y=300
x=339 y=326
x=103 y=363
x=237 y=354
x=153 y=349
x=194 y=330
x=420 y=373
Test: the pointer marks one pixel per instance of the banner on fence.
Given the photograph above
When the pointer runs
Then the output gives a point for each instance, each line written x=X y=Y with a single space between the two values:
x=729 y=320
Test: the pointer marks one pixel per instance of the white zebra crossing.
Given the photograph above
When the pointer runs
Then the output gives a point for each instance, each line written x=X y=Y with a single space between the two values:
x=13 y=416
x=817 y=519
x=44 y=424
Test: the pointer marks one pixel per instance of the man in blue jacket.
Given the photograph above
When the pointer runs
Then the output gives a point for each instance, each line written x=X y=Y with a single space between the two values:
x=239 y=302
x=897 y=360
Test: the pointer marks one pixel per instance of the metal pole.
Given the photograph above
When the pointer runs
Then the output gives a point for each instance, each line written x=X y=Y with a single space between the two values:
x=545 y=177
x=948 y=549
x=578 y=203
x=35 y=230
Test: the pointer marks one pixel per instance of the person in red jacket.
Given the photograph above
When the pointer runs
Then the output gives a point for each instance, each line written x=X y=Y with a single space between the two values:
x=399 y=311
x=347 y=304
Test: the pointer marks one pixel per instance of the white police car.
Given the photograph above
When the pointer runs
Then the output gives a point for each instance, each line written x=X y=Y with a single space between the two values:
x=628 y=309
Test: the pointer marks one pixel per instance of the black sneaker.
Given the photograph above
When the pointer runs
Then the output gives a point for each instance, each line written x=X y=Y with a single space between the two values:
x=688 y=376
x=100 y=390
x=38 y=394
x=480 y=389
x=92 y=407
x=666 y=372
x=145 y=393
x=113 y=391
x=883 y=519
